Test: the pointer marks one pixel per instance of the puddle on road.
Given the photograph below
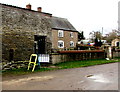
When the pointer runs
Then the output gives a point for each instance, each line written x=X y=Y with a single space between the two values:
x=98 y=78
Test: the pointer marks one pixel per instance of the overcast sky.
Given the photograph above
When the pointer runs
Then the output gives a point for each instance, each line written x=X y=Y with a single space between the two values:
x=85 y=15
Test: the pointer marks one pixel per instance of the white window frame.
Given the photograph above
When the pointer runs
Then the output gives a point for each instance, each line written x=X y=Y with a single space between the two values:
x=60 y=41
x=71 y=42
x=71 y=34
x=60 y=33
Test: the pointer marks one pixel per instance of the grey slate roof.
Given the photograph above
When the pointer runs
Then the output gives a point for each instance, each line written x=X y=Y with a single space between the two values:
x=56 y=22
x=61 y=24
x=24 y=8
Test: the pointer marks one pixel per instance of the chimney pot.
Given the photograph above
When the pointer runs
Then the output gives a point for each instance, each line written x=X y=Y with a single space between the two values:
x=39 y=9
x=28 y=6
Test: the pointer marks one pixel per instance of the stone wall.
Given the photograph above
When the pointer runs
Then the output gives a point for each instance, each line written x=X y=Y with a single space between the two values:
x=63 y=57
x=18 y=29
x=116 y=54
x=112 y=52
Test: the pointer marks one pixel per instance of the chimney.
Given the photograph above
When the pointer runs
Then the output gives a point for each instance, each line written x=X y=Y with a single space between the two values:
x=39 y=9
x=28 y=6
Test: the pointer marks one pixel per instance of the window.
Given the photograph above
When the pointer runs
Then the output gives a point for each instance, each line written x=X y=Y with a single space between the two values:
x=60 y=44
x=71 y=44
x=117 y=44
x=71 y=34
x=60 y=33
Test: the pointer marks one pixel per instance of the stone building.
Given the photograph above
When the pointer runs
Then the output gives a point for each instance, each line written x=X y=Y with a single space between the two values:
x=64 y=35
x=116 y=42
x=25 y=31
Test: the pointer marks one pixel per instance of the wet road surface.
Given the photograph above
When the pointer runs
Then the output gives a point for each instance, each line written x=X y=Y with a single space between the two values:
x=99 y=77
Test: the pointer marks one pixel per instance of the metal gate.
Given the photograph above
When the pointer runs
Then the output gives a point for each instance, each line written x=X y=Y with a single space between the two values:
x=43 y=58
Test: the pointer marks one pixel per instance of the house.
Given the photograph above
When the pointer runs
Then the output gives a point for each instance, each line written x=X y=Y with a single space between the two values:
x=25 y=31
x=115 y=42
x=64 y=35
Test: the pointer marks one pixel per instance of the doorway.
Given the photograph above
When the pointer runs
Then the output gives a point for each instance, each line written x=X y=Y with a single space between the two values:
x=117 y=44
x=39 y=47
x=11 y=54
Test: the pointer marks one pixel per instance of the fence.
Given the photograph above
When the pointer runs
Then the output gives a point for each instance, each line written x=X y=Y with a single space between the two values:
x=77 y=55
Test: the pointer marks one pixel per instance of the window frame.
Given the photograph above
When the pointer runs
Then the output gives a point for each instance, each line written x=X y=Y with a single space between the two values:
x=72 y=43
x=60 y=41
x=60 y=33
x=71 y=34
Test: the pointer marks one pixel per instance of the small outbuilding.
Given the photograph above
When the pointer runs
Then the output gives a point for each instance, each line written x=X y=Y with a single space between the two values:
x=116 y=42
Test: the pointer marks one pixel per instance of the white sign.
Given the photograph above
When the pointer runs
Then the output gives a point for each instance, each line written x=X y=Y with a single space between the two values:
x=43 y=58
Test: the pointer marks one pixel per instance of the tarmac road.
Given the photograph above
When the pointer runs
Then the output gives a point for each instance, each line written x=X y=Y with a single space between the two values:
x=99 y=77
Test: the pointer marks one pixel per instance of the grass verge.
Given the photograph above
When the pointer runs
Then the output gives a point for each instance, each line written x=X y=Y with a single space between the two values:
x=85 y=63
x=64 y=65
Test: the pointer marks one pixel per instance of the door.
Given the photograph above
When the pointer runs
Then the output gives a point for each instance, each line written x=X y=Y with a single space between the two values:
x=41 y=45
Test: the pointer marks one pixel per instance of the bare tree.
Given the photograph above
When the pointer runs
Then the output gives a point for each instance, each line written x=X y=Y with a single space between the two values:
x=117 y=31
x=94 y=35
x=111 y=36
